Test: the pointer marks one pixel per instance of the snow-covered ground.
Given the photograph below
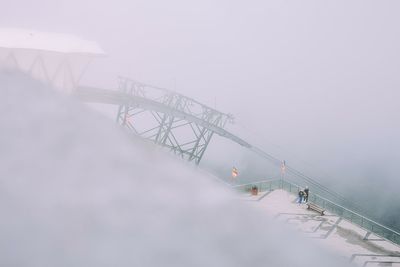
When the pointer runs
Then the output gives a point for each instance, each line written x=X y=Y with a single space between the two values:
x=329 y=231
x=75 y=190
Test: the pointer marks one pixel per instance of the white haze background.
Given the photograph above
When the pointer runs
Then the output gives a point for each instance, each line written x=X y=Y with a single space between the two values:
x=313 y=82
x=77 y=191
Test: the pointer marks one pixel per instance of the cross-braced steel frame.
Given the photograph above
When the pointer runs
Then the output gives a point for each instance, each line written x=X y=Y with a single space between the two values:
x=182 y=136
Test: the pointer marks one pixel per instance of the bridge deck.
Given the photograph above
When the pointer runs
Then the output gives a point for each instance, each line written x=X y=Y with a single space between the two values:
x=334 y=233
x=105 y=96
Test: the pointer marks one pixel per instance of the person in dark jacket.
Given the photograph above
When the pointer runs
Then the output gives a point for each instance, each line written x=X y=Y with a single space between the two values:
x=301 y=195
x=306 y=194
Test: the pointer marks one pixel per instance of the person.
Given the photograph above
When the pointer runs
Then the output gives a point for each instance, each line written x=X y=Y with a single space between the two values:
x=301 y=195
x=306 y=194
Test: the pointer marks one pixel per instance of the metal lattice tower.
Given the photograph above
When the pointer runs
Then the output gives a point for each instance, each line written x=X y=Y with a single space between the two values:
x=183 y=136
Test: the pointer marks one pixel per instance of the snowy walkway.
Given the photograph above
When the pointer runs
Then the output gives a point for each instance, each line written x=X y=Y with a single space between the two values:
x=336 y=234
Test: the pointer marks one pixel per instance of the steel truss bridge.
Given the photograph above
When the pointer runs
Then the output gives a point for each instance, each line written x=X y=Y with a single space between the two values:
x=186 y=126
x=167 y=118
x=182 y=124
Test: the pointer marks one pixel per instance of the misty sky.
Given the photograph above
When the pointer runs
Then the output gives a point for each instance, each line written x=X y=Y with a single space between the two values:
x=77 y=191
x=316 y=80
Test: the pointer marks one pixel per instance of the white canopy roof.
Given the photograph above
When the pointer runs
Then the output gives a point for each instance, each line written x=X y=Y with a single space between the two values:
x=54 y=42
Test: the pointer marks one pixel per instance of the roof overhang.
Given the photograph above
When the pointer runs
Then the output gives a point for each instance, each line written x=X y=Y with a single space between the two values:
x=11 y=38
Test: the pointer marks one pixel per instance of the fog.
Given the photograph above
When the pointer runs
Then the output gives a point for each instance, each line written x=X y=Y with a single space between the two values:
x=312 y=82
x=78 y=191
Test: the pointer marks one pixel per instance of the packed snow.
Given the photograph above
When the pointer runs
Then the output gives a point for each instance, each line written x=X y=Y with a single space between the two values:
x=330 y=230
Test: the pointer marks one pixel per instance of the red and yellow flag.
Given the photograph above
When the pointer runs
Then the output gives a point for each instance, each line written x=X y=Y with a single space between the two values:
x=235 y=172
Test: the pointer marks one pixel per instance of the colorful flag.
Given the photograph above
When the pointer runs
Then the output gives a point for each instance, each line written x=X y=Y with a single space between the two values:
x=235 y=172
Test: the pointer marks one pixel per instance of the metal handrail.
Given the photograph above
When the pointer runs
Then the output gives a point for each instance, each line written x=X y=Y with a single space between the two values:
x=354 y=217
x=256 y=182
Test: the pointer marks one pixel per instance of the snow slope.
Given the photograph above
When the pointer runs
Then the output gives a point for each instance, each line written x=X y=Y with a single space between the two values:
x=77 y=191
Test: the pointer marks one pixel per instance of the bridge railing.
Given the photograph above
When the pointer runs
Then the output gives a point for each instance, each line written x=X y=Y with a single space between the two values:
x=265 y=185
x=345 y=213
x=175 y=101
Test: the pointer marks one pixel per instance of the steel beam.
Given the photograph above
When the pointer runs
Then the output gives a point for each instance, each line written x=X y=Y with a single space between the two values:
x=171 y=112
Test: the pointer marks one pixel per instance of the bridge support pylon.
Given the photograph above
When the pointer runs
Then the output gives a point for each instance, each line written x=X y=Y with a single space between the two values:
x=172 y=127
